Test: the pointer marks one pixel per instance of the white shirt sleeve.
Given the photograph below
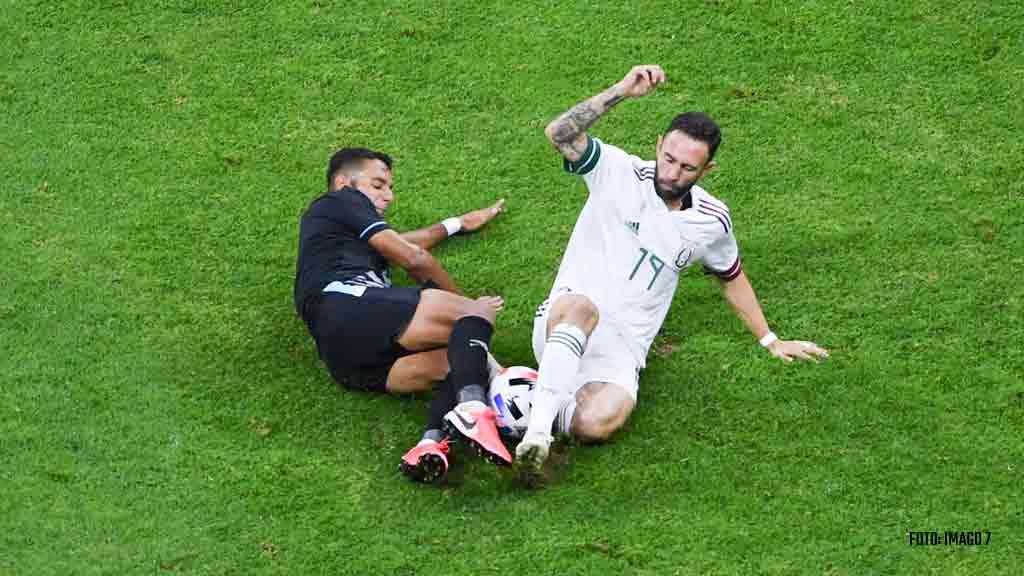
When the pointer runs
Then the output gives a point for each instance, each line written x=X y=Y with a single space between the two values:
x=602 y=167
x=722 y=256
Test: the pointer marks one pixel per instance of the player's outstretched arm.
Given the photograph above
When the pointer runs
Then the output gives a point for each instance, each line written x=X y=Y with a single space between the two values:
x=568 y=132
x=741 y=297
x=469 y=222
x=414 y=259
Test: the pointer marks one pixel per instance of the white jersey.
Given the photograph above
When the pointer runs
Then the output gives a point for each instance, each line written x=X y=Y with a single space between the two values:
x=628 y=248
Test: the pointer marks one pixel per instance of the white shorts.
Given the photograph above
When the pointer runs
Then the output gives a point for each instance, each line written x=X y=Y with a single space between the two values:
x=606 y=359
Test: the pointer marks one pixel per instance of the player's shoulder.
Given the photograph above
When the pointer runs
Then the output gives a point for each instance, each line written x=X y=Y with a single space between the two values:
x=623 y=155
x=642 y=170
x=707 y=210
x=348 y=208
x=319 y=206
x=702 y=197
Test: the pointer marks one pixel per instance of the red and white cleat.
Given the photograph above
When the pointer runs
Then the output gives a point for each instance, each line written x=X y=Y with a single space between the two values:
x=426 y=462
x=474 y=421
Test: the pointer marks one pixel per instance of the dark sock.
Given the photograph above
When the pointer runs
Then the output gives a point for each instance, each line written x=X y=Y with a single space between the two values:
x=467 y=379
x=444 y=400
x=467 y=357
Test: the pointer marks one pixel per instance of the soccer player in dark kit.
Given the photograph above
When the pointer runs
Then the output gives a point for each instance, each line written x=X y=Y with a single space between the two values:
x=376 y=337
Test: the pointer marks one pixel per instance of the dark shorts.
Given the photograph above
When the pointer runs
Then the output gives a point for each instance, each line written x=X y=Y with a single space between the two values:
x=356 y=333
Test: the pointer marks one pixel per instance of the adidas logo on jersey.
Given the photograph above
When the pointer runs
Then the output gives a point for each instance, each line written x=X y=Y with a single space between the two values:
x=634 y=226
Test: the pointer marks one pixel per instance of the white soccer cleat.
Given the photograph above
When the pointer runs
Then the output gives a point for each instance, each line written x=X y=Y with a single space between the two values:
x=531 y=454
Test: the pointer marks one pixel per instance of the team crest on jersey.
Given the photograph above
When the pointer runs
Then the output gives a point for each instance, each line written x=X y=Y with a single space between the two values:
x=684 y=256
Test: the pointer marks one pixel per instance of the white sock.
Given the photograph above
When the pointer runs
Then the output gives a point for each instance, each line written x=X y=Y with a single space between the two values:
x=557 y=375
x=563 y=422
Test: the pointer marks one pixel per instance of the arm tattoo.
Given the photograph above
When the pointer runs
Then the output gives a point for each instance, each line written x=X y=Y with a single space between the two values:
x=583 y=115
x=613 y=100
x=573 y=123
x=567 y=130
x=564 y=132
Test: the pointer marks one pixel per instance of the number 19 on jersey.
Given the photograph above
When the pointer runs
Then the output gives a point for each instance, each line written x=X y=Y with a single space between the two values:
x=657 y=265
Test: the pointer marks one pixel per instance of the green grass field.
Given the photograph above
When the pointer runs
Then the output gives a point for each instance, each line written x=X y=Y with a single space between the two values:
x=164 y=411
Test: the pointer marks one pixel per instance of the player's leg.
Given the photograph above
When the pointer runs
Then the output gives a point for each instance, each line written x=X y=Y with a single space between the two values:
x=569 y=321
x=447 y=394
x=468 y=356
x=428 y=460
x=417 y=372
x=459 y=407
x=607 y=389
x=426 y=330
x=436 y=313
x=356 y=331
x=420 y=372
x=601 y=408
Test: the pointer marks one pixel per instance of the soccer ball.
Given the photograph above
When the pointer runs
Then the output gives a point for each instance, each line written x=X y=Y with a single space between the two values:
x=510 y=395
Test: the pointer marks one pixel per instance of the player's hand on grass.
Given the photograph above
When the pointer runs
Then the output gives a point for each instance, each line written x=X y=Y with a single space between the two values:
x=477 y=219
x=641 y=80
x=790 y=350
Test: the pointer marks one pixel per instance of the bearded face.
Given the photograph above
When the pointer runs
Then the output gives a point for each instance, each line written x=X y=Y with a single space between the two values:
x=670 y=190
x=681 y=161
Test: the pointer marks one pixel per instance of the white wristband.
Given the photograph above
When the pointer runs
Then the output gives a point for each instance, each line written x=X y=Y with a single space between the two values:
x=452 y=225
x=767 y=339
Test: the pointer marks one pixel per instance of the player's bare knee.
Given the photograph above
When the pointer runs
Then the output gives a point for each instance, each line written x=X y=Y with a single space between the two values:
x=596 y=425
x=413 y=384
x=590 y=429
x=584 y=313
x=578 y=310
x=601 y=409
x=407 y=381
x=417 y=372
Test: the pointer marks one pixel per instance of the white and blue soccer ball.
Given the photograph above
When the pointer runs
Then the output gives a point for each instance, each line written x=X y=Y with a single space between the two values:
x=511 y=394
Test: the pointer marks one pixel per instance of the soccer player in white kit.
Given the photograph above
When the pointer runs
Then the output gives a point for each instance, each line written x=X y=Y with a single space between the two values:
x=643 y=224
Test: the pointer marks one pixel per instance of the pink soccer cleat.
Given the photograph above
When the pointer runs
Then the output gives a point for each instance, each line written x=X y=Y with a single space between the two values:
x=427 y=462
x=474 y=421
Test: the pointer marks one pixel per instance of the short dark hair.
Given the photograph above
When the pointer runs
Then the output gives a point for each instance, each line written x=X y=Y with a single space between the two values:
x=349 y=158
x=700 y=127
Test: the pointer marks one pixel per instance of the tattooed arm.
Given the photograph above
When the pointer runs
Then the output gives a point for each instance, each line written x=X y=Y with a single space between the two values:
x=568 y=132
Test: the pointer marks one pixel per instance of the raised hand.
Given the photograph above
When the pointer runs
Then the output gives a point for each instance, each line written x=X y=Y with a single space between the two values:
x=641 y=80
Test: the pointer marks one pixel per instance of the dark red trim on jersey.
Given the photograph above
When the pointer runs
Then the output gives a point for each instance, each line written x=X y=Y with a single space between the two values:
x=724 y=213
x=718 y=205
x=729 y=274
x=717 y=216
